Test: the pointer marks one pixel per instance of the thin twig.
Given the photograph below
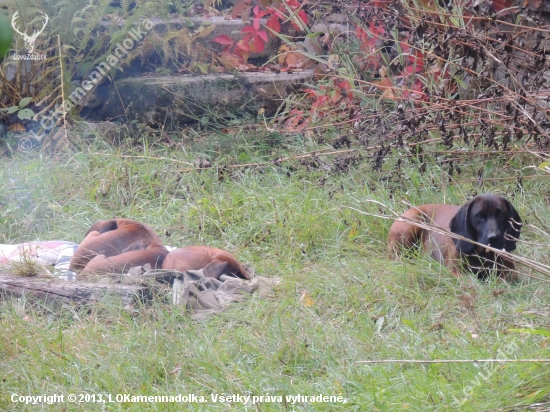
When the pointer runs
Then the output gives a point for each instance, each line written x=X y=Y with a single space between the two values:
x=141 y=157
x=329 y=152
x=506 y=178
x=370 y=362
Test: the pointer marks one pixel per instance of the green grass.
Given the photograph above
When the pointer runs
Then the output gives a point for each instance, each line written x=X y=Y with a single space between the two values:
x=287 y=222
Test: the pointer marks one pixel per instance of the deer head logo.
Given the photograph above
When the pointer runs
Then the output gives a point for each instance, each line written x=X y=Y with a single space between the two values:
x=29 y=40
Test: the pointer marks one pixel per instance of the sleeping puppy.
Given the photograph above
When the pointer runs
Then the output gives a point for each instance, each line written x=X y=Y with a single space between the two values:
x=487 y=219
x=113 y=237
x=138 y=253
x=215 y=262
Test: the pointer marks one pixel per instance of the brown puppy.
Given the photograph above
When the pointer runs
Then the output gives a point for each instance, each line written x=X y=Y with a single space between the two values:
x=113 y=237
x=139 y=253
x=215 y=262
x=487 y=219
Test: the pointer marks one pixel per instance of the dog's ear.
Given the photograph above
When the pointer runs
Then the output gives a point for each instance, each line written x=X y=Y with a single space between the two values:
x=103 y=226
x=215 y=269
x=460 y=224
x=514 y=227
x=234 y=270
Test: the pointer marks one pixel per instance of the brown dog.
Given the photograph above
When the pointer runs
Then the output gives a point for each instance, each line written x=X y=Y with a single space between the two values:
x=140 y=253
x=123 y=237
x=487 y=219
x=215 y=262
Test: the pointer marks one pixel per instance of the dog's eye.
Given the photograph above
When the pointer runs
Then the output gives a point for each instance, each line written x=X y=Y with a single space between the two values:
x=480 y=217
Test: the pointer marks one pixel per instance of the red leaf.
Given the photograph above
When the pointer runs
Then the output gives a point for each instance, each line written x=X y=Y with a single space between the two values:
x=381 y=3
x=369 y=39
x=298 y=28
x=293 y=4
x=405 y=47
x=293 y=122
x=335 y=95
x=279 y=14
x=416 y=64
x=263 y=35
x=232 y=59
x=258 y=45
x=361 y=34
x=256 y=23
x=316 y=104
x=223 y=39
x=415 y=92
x=273 y=24
x=243 y=54
x=311 y=92
x=248 y=29
x=344 y=84
x=411 y=69
x=376 y=28
x=300 y=20
x=243 y=45
x=502 y=7
x=302 y=14
x=259 y=13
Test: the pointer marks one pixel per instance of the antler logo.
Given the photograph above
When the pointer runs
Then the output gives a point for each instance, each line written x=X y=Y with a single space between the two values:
x=29 y=40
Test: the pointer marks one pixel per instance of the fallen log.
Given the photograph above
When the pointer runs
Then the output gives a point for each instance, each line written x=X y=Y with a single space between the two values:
x=57 y=291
